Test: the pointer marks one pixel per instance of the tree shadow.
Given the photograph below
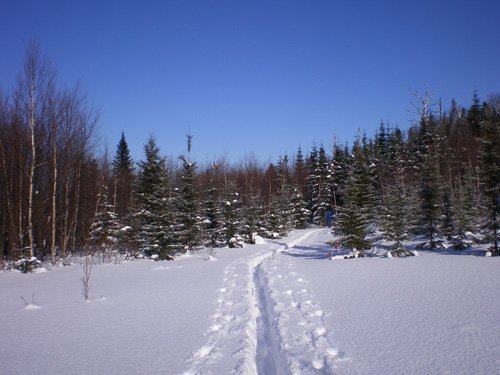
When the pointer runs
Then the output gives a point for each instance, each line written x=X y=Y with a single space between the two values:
x=307 y=252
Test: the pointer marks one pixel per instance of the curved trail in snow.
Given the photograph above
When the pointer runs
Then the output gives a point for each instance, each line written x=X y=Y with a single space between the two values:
x=265 y=321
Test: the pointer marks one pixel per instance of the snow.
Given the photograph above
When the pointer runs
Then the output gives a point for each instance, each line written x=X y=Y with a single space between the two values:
x=277 y=307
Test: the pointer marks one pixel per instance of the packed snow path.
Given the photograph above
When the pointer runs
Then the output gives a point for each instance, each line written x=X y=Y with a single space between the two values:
x=266 y=320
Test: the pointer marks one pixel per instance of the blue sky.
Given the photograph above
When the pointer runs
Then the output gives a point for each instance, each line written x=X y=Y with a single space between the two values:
x=259 y=77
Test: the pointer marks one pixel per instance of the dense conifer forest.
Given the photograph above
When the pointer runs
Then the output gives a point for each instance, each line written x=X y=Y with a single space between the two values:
x=438 y=180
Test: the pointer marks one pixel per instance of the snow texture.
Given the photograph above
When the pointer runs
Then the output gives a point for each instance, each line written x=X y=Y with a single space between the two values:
x=275 y=308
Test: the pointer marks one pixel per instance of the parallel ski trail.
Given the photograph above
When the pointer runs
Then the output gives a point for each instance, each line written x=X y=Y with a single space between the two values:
x=256 y=307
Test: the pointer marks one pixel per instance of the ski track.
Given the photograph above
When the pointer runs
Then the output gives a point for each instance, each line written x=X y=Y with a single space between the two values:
x=267 y=319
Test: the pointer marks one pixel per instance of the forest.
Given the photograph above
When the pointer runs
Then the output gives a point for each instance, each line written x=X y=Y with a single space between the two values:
x=438 y=181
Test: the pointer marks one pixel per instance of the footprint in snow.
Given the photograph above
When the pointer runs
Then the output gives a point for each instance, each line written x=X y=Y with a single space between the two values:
x=332 y=352
x=204 y=351
x=215 y=327
x=318 y=363
x=320 y=331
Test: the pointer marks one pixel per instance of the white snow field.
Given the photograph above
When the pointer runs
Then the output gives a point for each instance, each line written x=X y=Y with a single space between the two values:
x=275 y=308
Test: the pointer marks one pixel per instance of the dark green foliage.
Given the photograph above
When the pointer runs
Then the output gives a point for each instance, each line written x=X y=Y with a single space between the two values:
x=123 y=178
x=215 y=236
x=156 y=215
x=490 y=163
x=188 y=218
x=299 y=212
x=105 y=230
x=430 y=189
x=447 y=216
x=27 y=265
x=231 y=210
x=356 y=216
x=253 y=216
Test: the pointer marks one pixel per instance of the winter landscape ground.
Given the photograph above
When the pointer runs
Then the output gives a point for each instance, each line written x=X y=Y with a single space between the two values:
x=280 y=307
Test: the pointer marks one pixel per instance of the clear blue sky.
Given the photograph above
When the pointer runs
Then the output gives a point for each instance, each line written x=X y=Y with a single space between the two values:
x=256 y=76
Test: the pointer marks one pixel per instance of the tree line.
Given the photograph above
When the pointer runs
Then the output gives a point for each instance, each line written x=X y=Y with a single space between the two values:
x=440 y=179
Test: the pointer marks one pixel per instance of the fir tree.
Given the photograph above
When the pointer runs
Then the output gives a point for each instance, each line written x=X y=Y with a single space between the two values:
x=447 y=216
x=429 y=194
x=355 y=218
x=188 y=204
x=253 y=216
x=156 y=212
x=215 y=236
x=299 y=212
x=397 y=209
x=474 y=115
x=465 y=210
x=231 y=208
x=299 y=172
x=340 y=169
x=490 y=163
x=105 y=229
x=123 y=176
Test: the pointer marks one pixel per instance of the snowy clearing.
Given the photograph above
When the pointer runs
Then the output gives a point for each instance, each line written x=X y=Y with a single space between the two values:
x=275 y=308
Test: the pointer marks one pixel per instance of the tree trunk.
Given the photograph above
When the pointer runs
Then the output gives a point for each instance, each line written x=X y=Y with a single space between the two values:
x=54 y=195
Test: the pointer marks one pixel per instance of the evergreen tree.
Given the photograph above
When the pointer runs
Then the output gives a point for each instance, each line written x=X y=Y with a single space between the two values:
x=312 y=181
x=397 y=205
x=299 y=172
x=430 y=191
x=325 y=189
x=231 y=208
x=355 y=218
x=156 y=212
x=123 y=176
x=299 y=212
x=253 y=215
x=490 y=163
x=188 y=216
x=474 y=115
x=447 y=216
x=340 y=169
x=465 y=210
x=105 y=230
x=214 y=228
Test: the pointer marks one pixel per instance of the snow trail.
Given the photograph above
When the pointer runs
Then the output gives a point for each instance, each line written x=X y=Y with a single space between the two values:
x=270 y=357
x=251 y=323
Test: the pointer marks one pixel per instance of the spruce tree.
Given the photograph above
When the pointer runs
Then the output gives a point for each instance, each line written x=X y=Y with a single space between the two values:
x=189 y=220
x=215 y=236
x=253 y=216
x=356 y=216
x=123 y=179
x=430 y=190
x=490 y=167
x=105 y=229
x=447 y=216
x=299 y=172
x=299 y=212
x=396 y=210
x=465 y=210
x=231 y=209
x=156 y=212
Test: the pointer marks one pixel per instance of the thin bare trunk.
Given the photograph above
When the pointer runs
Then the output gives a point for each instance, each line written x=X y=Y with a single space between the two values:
x=54 y=194
x=20 y=200
x=74 y=221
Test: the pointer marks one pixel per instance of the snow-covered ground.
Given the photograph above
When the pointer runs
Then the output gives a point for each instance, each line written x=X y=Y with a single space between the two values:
x=275 y=308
